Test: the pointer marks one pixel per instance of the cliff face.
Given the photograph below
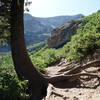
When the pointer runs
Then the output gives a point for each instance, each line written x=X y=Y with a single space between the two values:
x=39 y=29
x=63 y=33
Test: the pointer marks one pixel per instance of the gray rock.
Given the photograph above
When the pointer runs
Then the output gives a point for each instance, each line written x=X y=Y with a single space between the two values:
x=38 y=29
x=63 y=33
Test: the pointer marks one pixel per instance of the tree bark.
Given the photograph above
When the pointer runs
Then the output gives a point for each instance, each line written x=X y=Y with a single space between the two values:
x=22 y=63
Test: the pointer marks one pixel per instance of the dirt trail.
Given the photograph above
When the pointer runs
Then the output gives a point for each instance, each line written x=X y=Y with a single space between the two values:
x=75 y=94
x=63 y=92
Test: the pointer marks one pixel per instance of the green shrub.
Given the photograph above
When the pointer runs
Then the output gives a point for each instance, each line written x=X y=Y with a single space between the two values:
x=11 y=88
x=87 y=39
x=46 y=57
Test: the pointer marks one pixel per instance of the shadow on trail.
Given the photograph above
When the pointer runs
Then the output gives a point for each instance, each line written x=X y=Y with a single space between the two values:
x=76 y=84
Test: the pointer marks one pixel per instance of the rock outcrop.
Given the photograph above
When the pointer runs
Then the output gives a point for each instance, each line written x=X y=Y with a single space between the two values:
x=39 y=29
x=63 y=33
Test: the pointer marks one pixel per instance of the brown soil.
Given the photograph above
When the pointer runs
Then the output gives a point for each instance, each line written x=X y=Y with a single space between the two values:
x=89 y=88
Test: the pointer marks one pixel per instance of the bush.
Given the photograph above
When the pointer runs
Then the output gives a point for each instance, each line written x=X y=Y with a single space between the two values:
x=46 y=57
x=87 y=39
x=11 y=88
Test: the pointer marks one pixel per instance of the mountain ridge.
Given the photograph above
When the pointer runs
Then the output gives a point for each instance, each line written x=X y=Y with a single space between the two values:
x=53 y=21
x=38 y=29
x=35 y=27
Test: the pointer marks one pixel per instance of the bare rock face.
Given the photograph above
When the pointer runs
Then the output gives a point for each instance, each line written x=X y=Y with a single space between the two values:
x=63 y=33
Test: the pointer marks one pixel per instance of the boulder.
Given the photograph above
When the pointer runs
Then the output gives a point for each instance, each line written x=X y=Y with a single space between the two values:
x=63 y=33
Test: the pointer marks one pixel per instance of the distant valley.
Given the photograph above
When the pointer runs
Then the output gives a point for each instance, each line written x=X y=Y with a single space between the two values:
x=38 y=29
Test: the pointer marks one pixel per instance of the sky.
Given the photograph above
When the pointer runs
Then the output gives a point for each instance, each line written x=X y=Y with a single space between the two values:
x=50 y=8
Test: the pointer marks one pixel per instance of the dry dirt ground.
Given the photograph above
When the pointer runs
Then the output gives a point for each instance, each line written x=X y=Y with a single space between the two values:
x=88 y=90
x=75 y=94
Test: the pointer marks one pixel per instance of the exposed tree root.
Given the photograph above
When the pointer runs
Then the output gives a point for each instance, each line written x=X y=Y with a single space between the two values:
x=74 y=73
x=79 y=68
x=71 y=77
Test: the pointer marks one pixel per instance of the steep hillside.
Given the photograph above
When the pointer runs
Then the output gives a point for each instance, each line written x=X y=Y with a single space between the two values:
x=38 y=29
x=45 y=25
x=73 y=69
x=78 y=77
x=63 y=33
x=87 y=40
x=85 y=43
x=75 y=86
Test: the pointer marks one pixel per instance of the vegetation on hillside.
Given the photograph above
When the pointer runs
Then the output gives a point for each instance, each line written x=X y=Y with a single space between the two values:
x=46 y=57
x=11 y=88
x=35 y=47
x=9 y=81
x=85 y=42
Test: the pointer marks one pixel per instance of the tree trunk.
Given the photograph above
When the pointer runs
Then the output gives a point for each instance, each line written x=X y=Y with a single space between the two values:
x=22 y=63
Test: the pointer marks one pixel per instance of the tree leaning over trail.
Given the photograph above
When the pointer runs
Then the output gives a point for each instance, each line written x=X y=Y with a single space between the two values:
x=12 y=28
x=23 y=65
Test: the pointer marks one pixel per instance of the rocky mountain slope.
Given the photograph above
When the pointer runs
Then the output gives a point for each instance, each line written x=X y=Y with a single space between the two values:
x=77 y=76
x=38 y=29
x=63 y=33
x=41 y=25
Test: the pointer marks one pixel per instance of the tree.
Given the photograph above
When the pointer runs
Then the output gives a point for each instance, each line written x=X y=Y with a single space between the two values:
x=23 y=65
x=11 y=17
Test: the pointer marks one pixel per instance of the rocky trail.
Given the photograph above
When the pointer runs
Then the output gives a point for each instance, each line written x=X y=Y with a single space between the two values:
x=83 y=84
